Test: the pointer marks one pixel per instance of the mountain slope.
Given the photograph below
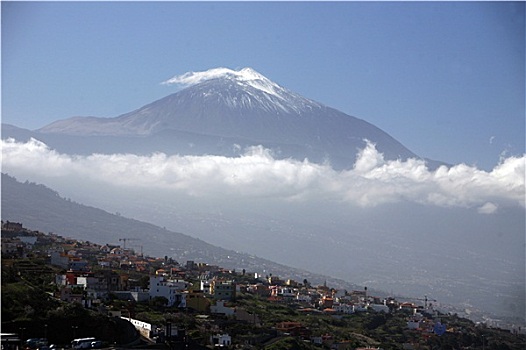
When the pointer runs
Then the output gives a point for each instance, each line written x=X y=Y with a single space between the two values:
x=224 y=108
x=40 y=208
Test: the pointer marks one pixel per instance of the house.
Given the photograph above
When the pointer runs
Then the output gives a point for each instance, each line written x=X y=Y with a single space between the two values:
x=221 y=340
x=259 y=289
x=304 y=298
x=106 y=248
x=78 y=265
x=291 y=283
x=344 y=308
x=206 y=287
x=358 y=296
x=409 y=307
x=11 y=246
x=360 y=308
x=221 y=308
x=172 y=290
x=284 y=292
x=326 y=302
x=73 y=294
x=223 y=290
x=197 y=301
x=104 y=262
x=275 y=281
x=117 y=251
x=380 y=308
x=60 y=259
x=12 y=226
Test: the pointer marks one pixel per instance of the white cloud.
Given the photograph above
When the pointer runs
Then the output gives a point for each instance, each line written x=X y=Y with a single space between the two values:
x=488 y=208
x=255 y=174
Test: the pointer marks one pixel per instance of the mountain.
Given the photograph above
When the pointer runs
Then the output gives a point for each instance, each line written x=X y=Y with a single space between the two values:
x=221 y=112
x=41 y=208
x=453 y=250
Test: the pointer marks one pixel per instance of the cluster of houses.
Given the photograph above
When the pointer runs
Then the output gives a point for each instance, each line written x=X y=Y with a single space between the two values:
x=93 y=273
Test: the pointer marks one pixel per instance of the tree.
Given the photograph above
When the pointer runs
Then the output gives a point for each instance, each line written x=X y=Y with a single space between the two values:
x=159 y=302
x=144 y=282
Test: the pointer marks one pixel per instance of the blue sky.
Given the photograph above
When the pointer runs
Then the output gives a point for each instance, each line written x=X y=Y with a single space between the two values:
x=447 y=79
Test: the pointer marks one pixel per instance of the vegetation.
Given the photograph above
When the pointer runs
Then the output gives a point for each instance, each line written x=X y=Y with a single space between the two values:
x=31 y=309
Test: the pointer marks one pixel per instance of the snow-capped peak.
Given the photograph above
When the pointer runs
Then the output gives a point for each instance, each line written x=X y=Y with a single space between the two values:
x=192 y=78
x=245 y=76
x=258 y=88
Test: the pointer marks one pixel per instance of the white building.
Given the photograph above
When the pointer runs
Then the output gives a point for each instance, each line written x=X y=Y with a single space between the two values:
x=221 y=340
x=172 y=290
x=285 y=292
x=344 y=308
x=206 y=286
x=220 y=308
x=360 y=308
x=379 y=308
x=303 y=298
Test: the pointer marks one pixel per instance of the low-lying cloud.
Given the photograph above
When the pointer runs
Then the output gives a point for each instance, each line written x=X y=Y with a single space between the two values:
x=371 y=182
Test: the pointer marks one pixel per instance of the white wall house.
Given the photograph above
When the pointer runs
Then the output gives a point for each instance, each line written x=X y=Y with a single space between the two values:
x=303 y=298
x=344 y=308
x=220 y=308
x=206 y=286
x=221 y=340
x=379 y=308
x=172 y=290
x=285 y=292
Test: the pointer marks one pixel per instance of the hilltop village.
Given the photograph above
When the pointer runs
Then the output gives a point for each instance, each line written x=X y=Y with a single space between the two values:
x=55 y=290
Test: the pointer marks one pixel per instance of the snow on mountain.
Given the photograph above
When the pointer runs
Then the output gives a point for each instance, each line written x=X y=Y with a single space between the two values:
x=248 y=76
x=210 y=96
x=260 y=91
x=222 y=107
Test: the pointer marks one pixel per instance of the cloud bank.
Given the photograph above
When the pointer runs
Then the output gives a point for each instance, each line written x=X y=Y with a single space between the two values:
x=371 y=182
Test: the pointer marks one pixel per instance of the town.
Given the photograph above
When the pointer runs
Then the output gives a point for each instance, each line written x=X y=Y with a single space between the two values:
x=59 y=292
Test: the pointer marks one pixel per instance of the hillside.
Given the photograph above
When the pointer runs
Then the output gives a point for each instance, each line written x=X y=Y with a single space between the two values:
x=258 y=318
x=38 y=206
